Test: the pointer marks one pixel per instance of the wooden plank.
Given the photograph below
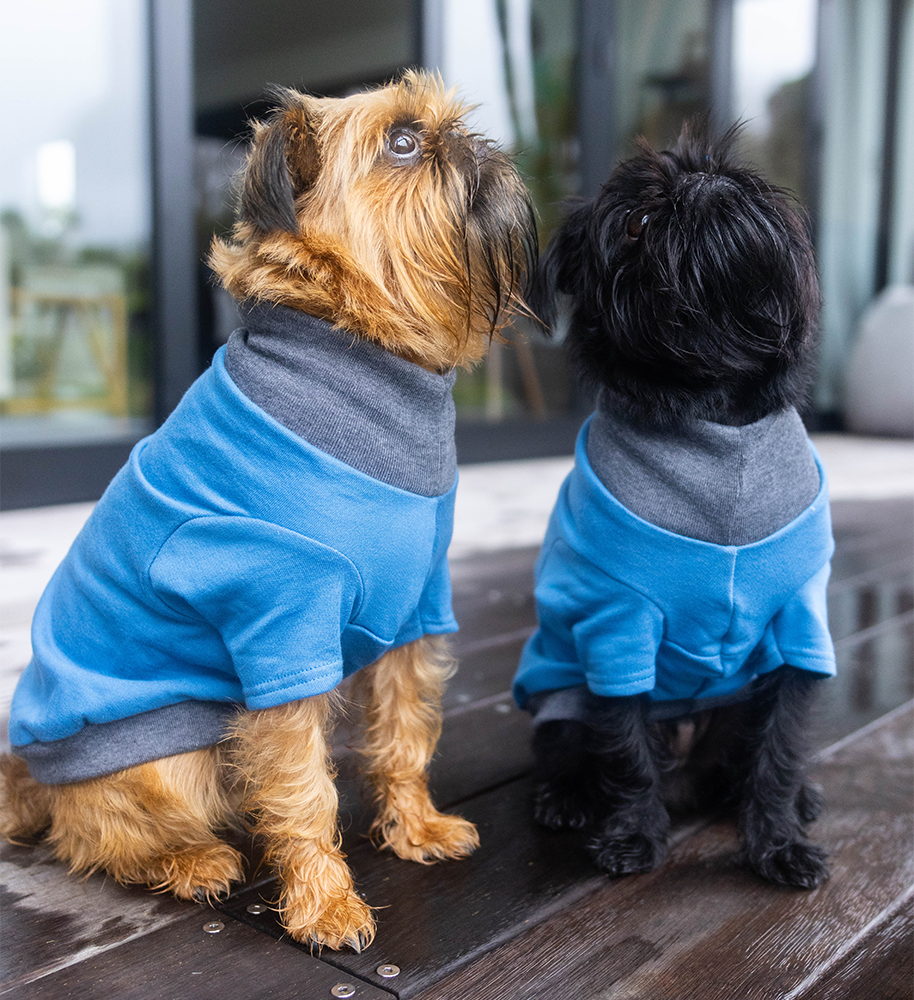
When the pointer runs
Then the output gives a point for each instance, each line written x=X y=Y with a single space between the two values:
x=866 y=599
x=874 y=676
x=183 y=960
x=52 y=919
x=860 y=521
x=433 y=919
x=493 y=602
x=487 y=668
x=496 y=581
x=880 y=966
x=480 y=749
x=701 y=928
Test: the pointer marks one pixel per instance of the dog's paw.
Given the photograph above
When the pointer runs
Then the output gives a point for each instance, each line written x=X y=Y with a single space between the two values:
x=428 y=836
x=809 y=803
x=342 y=921
x=561 y=807
x=798 y=864
x=627 y=853
x=201 y=873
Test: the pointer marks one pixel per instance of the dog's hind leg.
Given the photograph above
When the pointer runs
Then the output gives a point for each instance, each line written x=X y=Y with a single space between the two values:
x=401 y=697
x=152 y=824
x=633 y=821
x=26 y=803
x=777 y=801
x=284 y=757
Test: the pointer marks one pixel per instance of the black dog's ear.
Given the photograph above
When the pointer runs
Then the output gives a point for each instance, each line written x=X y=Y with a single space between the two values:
x=561 y=262
x=283 y=163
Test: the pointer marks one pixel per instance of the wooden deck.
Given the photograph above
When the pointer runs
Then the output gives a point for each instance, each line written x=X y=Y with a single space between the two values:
x=527 y=916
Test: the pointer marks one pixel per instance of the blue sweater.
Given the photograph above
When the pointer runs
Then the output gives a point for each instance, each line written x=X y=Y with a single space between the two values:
x=229 y=563
x=627 y=607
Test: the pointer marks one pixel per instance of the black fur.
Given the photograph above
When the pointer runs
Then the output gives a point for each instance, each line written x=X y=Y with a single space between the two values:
x=282 y=165
x=709 y=309
x=562 y=797
x=628 y=759
x=777 y=802
x=692 y=292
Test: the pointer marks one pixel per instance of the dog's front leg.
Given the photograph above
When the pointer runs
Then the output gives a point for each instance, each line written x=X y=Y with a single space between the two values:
x=401 y=699
x=562 y=779
x=284 y=755
x=777 y=802
x=632 y=820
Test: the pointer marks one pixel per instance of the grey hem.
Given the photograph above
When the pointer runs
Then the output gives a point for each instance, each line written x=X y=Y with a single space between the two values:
x=103 y=748
x=573 y=705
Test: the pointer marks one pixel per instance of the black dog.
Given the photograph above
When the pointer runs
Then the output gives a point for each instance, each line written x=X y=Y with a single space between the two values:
x=681 y=586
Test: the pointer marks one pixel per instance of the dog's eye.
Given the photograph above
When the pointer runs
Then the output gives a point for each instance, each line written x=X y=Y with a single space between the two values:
x=402 y=143
x=636 y=223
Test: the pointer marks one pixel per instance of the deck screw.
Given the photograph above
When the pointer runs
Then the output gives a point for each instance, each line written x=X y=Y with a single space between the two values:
x=213 y=927
x=388 y=971
x=343 y=990
x=256 y=908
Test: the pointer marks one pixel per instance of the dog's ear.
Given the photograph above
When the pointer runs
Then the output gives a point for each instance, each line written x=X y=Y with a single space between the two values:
x=559 y=269
x=283 y=163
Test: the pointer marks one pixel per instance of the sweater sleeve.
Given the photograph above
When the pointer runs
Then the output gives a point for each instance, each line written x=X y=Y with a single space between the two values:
x=592 y=629
x=618 y=644
x=278 y=600
x=800 y=628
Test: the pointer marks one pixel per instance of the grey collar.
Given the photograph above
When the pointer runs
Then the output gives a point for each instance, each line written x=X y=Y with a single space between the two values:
x=717 y=483
x=350 y=398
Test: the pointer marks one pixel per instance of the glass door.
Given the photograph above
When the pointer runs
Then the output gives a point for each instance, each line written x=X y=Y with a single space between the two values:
x=75 y=228
x=74 y=223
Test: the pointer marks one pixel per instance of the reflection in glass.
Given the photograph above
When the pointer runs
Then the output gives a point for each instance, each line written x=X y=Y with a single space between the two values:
x=900 y=249
x=663 y=54
x=521 y=72
x=74 y=223
x=853 y=94
x=774 y=51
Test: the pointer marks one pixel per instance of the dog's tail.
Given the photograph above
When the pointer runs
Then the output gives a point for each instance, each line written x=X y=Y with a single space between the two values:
x=25 y=804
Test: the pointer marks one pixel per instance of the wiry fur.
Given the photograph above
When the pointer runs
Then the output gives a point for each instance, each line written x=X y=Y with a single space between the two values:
x=401 y=699
x=692 y=293
x=710 y=311
x=155 y=824
x=423 y=255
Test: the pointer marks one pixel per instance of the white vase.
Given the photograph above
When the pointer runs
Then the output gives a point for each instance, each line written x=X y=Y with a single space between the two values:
x=879 y=397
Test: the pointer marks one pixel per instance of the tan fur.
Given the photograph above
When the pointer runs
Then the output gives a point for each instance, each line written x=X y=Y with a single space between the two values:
x=401 y=698
x=424 y=259
x=382 y=251
x=284 y=756
x=26 y=803
x=154 y=824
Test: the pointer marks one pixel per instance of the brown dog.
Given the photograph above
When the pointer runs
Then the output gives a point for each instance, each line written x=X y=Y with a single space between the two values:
x=380 y=227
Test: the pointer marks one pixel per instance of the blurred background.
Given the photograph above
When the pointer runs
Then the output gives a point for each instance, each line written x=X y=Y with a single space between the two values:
x=126 y=121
